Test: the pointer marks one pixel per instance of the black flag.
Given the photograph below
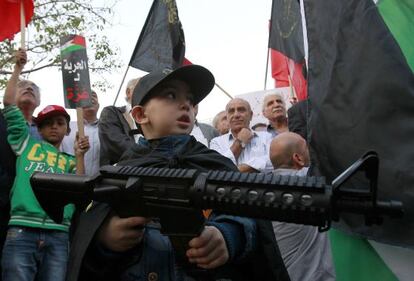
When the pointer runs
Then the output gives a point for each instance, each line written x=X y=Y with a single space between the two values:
x=161 y=42
x=361 y=93
x=286 y=34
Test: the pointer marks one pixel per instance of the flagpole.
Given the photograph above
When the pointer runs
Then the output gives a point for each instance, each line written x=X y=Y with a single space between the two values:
x=22 y=26
x=120 y=86
x=227 y=94
x=81 y=129
x=267 y=68
x=268 y=47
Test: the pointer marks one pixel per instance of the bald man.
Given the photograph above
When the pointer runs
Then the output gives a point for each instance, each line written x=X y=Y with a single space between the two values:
x=289 y=151
x=274 y=109
x=247 y=149
x=305 y=252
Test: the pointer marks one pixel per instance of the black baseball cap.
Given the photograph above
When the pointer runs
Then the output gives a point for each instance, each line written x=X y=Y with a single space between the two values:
x=200 y=80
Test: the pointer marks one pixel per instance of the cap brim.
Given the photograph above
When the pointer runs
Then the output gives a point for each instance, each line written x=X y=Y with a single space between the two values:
x=200 y=80
x=38 y=121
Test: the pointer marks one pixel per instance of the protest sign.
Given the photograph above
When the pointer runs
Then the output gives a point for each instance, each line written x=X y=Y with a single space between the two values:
x=75 y=72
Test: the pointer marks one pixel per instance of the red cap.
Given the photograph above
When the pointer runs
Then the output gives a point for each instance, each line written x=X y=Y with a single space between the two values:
x=51 y=111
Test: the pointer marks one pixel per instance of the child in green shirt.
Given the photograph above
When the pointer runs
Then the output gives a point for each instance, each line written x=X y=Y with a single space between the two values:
x=35 y=244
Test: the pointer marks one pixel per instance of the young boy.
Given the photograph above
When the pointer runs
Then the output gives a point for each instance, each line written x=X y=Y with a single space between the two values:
x=107 y=247
x=37 y=247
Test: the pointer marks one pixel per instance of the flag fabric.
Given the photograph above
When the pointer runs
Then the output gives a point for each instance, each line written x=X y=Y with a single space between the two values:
x=356 y=260
x=288 y=73
x=399 y=17
x=10 y=17
x=370 y=260
x=72 y=44
x=287 y=47
x=161 y=42
x=361 y=92
x=286 y=34
x=187 y=62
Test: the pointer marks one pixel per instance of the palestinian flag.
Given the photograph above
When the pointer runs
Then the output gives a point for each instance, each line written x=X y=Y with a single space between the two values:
x=73 y=44
x=399 y=17
x=361 y=87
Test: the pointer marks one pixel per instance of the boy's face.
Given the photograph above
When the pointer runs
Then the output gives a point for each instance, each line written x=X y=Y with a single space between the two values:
x=169 y=111
x=54 y=129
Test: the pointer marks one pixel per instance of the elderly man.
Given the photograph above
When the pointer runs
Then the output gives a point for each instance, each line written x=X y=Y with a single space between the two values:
x=220 y=123
x=274 y=109
x=247 y=149
x=115 y=127
x=26 y=92
x=305 y=251
x=27 y=98
x=90 y=121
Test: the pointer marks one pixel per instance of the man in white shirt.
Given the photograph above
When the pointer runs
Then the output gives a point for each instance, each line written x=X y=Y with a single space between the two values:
x=305 y=251
x=90 y=121
x=247 y=149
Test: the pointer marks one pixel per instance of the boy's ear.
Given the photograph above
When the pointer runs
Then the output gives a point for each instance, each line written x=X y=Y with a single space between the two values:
x=68 y=131
x=138 y=113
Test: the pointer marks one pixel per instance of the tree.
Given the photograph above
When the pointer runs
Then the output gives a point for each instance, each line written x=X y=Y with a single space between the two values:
x=55 y=18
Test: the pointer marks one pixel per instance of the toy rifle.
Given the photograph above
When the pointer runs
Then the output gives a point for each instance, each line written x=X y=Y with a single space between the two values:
x=177 y=196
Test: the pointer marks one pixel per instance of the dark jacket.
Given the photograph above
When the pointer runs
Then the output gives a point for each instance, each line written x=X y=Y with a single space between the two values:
x=209 y=132
x=265 y=264
x=297 y=118
x=7 y=169
x=114 y=135
x=7 y=174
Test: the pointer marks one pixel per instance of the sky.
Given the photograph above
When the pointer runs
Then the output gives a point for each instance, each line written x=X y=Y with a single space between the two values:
x=229 y=37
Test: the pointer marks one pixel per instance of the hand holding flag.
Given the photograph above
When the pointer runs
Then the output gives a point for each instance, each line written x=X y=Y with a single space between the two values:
x=21 y=59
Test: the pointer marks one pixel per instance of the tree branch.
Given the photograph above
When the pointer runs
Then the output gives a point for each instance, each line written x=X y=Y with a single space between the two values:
x=31 y=70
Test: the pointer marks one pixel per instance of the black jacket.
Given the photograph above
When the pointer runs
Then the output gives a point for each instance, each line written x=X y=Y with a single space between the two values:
x=297 y=118
x=265 y=264
x=7 y=174
x=114 y=135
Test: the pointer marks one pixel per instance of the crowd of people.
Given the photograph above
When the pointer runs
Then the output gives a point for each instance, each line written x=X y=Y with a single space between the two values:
x=157 y=128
